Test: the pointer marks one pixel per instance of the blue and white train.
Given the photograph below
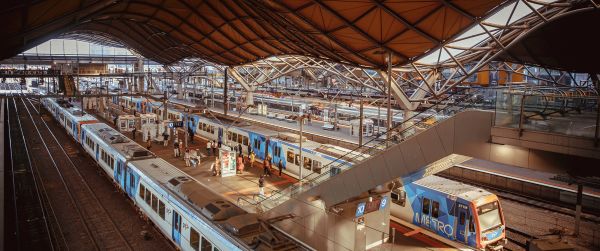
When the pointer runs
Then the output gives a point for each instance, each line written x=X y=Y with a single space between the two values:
x=317 y=158
x=189 y=214
x=453 y=210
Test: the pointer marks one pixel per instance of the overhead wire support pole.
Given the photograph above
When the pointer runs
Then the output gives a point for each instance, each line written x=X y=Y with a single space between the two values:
x=225 y=98
x=389 y=99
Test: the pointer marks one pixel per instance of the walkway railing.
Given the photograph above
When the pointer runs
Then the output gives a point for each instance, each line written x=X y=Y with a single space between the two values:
x=402 y=131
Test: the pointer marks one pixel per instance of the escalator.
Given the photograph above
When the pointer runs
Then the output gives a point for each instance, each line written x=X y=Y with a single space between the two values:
x=373 y=169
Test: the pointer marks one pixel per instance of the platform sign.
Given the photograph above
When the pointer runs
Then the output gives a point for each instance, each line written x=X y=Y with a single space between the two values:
x=227 y=162
x=383 y=203
x=360 y=209
x=175 y=124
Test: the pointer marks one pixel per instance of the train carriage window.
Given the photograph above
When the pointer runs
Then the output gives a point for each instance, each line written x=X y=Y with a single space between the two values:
x=256 y=144
x=317 y=166
x=148 y=196
x=240 y=138
x=194 y=239
x=228 y=135
x=461 y=218
x=307 y=163
x=205 y=245
x=435 y=209
x=297 y=160
x=161 y=209
x=142 y=191
x=399 y=197
x=277 y=151
x=290 y=157
x=245 y=141
x=154 y=203
x=426 y=204
x=471 y=225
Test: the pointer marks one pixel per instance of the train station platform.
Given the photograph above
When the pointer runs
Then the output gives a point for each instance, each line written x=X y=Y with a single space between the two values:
x=245 y=187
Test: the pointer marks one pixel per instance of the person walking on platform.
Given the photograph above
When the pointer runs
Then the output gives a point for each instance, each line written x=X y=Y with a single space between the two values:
x=261 y=185
x=186 y=157
x=165 y=138
x=280 y=166
x=181 y=145
x=208 y=148
x=252 y=157
x=176 y=148
x=133 y=133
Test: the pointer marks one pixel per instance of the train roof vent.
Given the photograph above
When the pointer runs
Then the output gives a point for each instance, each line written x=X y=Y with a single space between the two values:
x=290 y=137
x=135 y=151
x=241 y=225
x=220 y=210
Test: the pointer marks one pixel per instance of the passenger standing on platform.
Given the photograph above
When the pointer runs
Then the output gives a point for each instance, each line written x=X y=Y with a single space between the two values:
x=241 y=153
x=191 y=133
x=115 y=120
x=133 y=133
x=165 y=138
x=261 y=185
x=214 y=147
x=208 y=148
x=176 y=148
x=180 y=147
x=239 y=164
x=280 y=166
x=148 y=144
x=186 y=157
x=266 y=166
x=252 y=157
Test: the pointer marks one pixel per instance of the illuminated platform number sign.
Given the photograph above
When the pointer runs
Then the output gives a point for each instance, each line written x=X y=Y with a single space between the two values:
x=175 y=124
x=374 y=205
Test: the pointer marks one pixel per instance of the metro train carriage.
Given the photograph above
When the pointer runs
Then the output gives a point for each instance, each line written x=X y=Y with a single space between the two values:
x=189 y=214
x=68 y=116
x=111 y=150
x=453 y=210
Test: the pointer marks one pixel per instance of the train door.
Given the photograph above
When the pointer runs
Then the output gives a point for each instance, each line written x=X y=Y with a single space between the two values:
x=274 y=152
x=130 y=182
x=119 y=171
x=176 y=230
x=463 y=222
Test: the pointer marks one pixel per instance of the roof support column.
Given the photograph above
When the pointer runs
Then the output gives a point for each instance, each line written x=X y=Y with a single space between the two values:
x=140 y=75
x=247 y=86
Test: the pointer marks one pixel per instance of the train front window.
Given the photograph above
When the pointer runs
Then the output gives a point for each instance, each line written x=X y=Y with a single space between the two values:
x=489 y=216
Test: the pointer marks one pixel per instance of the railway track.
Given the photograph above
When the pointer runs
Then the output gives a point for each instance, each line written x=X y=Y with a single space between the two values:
x=533 y=218
x=30 y=223
x=91 y=224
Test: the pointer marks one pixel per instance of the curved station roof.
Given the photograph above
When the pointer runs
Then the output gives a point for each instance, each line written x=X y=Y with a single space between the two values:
x=234 y=32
